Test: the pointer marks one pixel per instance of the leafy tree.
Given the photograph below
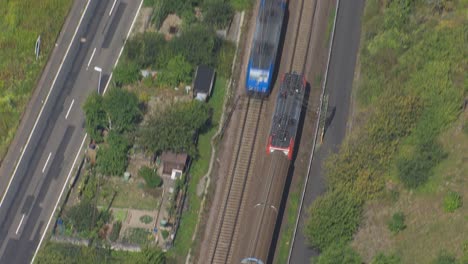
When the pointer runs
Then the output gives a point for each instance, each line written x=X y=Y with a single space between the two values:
x=218 y=13
x=397 y=222
x=148 y=49
x=112 y=159
x=126 y=73
x=95 y=116
x=198 y=44
x=339 y=253
x=175 y=128
x=333 y=217
x=386 y=259
x=178 y=71
x=122 y=108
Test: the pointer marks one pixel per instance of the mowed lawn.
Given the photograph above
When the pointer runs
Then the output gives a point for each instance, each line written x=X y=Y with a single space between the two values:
x=21 y=22
x=429 y=228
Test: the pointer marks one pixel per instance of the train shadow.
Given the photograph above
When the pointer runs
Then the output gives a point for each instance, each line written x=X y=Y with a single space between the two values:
x=287 y=185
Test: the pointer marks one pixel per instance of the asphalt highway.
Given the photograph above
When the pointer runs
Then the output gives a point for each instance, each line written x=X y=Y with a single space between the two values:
x=40 y=161
x=339 y=85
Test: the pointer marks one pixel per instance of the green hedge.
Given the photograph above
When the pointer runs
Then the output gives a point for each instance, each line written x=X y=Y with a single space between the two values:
x=151 y=177
x=333 y=218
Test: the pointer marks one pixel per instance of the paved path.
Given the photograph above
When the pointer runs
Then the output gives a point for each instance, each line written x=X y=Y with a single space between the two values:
x=39 y=162
x=340 y=81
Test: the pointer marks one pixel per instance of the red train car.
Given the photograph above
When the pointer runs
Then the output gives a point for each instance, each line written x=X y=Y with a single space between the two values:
x=287 y=114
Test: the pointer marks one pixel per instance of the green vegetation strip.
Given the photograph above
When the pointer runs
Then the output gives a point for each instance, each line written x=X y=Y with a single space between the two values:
x=199 y=168
x=411 y=89
x=68 y=253
x=286 y=236
x=21 y=22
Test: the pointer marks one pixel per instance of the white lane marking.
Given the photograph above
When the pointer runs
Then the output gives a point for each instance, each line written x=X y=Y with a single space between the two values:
x=82 y=143
x=91 y=58
x=112 y=8
x=21 y=221
x=121 y=49
x=43 y=105
x=60 y=197
x=68 y=112
x=47 y=161
x=315 y=135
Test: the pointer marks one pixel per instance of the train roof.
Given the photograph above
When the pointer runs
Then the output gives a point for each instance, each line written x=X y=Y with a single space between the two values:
x=288 y=110
x=267 y=33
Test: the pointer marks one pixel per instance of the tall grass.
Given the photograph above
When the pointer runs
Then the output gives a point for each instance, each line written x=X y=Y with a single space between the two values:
x=21 y=22
x=411 y=88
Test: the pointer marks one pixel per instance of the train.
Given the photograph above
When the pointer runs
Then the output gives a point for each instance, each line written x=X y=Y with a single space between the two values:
x=264 y=49
x=287 y=114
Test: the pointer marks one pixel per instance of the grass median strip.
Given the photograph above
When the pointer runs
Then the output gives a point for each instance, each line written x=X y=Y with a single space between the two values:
x=21 y=23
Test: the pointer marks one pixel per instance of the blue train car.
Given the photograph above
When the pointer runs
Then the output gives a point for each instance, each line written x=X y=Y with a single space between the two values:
x=265 y=46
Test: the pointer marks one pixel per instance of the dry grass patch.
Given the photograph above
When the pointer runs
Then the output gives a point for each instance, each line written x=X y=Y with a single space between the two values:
x=429 y=228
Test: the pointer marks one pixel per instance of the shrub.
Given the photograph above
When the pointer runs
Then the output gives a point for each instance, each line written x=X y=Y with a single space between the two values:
x=95 y=116
x=175 y=128
x=81 y=216
x=112 y=159
x=149 y=48
x=240 y=5
x=339 y=253
x=146 y=219
x=333 y=217
x=198 y=44
x=164 y=233
x=225 y=59
x=218 y=14
x=397 y=222
x=125 y=73
x=386 y=259
x=139 y=236
x=115 y=231
x=177 y=71
x=452 y=201
x=415 y=171
x=444 y=258
x=151 y=177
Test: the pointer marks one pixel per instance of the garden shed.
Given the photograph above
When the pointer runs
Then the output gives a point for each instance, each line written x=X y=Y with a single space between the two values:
x=173 y=162
x=203 y=83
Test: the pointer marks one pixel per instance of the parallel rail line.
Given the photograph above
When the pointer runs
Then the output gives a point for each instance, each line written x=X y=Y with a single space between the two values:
x=226 y=227
x=240 y=170
x=299 y=60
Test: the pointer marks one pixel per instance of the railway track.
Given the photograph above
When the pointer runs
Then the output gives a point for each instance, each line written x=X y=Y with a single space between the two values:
x=303 y=34
x=226 y=227
x=299 y=59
